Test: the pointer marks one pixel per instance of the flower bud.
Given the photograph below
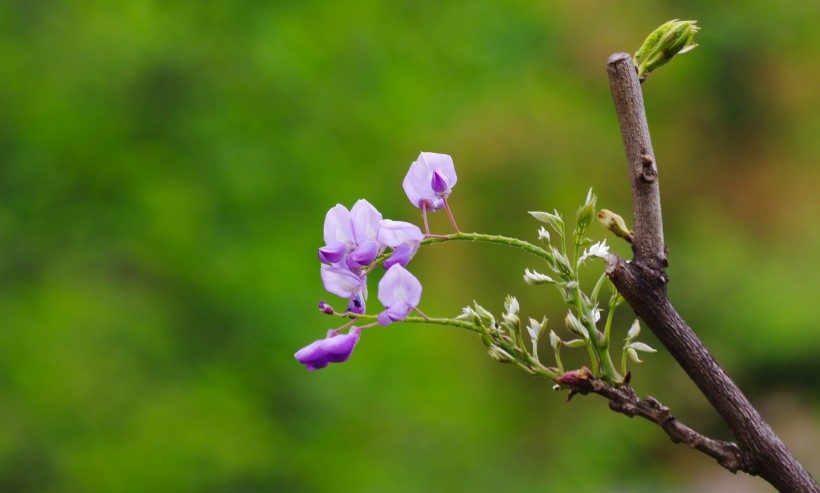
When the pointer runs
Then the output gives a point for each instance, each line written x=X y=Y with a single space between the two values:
x=574 y=377
x=663 y=43
x=325 y=308
x=614 y=223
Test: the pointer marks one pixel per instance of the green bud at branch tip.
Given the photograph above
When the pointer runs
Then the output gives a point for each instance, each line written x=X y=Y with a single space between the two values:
x=663 y=44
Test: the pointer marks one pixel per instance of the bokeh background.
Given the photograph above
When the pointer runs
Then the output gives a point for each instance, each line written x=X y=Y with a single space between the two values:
x=165 y=168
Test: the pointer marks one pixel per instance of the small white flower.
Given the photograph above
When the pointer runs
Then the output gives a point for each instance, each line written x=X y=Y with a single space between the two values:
x=535 y=330
x=535 y=278
x=543 y=235
x=599 y=249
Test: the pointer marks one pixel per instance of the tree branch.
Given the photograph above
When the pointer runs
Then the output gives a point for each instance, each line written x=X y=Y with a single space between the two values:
x=642 y=282
x=624 y=400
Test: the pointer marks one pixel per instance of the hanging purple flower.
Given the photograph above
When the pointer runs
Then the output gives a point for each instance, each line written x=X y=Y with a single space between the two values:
x=430 y=180
x=351 y=235
x=403 y=237
x=346 y=284
x=399 y=292
x=334 y=348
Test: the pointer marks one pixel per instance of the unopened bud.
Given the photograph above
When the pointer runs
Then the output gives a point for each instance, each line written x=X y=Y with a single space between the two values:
x=664 y=43
x=325 y=308
x=574 y=377
x=614 y=223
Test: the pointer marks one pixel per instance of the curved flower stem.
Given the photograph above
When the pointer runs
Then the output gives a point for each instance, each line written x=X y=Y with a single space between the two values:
x=499 y=240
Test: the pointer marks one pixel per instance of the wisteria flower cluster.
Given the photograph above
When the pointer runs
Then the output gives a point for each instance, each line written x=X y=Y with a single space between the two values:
x=359 y=240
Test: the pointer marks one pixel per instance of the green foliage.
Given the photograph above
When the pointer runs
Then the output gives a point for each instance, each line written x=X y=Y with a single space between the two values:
x=160 y=210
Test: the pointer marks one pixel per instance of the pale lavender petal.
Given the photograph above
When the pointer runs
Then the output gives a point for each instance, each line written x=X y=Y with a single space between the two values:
x=395 y=233
x=401 y=255
x=399 y=286
x=340 y=282
x=332 y=252
x=338 y=226
x=442 y=163
x=365 y=219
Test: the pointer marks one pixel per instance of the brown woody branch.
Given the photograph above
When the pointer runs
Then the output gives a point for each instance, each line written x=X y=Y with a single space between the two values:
x=623 y=400
x=642 y=282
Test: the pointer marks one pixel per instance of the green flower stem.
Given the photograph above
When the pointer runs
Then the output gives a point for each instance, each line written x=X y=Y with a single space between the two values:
x=599 y=346
x=608 y=367
x=610 y=314
x=461 y=324
x=499 y=240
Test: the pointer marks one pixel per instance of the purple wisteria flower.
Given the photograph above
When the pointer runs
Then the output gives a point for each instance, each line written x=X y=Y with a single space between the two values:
x=399 y=292
x=334 y=348
x=351 y=235
x=430 y=180
x=346 y=284
x=403 y=237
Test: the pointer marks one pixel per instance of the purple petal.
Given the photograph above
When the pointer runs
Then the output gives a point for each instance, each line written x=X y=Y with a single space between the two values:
x=356 y=304
x=332 y=349
x=332 y=252
x=394 y=313
x=341 y=282
x=338 y=226
x=340 y=348
x=311 y=352
x=365 y=219
x=401 y=255
x=362 y=255
x=395 y=233
x=399 y=286
x=442 y=163
x=439 y=183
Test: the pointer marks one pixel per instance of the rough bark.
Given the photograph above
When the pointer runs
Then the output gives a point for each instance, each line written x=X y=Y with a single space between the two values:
x=642 y=282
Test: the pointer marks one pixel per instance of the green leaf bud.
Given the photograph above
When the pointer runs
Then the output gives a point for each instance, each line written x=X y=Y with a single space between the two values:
x=614 y=223
x=663 y=43
x=554 y=220
x=585 y=214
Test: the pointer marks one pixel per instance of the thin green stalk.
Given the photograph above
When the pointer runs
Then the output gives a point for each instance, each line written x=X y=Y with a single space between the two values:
x=452 y=322
x=499 y=240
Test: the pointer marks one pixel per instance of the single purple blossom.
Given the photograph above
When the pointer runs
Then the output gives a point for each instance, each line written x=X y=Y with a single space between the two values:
x=399 y=292
x=430 y=180
x=346 y=284
x=334 y=348
x=351 y=235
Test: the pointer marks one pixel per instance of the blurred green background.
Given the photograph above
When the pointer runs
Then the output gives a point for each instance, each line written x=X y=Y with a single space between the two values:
x=165 y=168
